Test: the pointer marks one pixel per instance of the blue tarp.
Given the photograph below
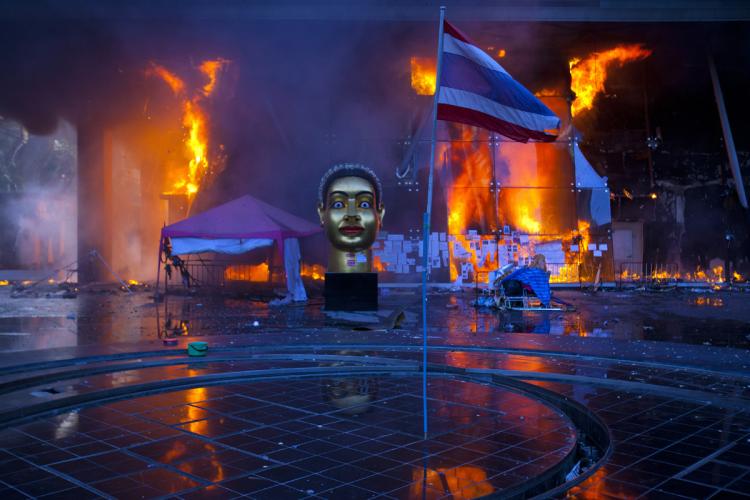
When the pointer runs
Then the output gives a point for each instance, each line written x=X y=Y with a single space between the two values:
x=536 y=279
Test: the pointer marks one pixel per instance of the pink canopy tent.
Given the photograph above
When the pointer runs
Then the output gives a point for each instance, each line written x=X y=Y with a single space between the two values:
x=239 y=226
x=245 y=217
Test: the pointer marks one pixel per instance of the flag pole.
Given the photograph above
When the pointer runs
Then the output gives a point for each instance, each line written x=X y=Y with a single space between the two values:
x=426 y=221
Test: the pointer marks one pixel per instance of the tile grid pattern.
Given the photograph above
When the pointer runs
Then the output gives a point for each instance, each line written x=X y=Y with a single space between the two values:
x=288 y=439
x=666 y=448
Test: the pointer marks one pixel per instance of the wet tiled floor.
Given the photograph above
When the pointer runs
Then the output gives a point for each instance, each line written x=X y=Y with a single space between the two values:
x=358 y=436
x=305 y=406
x=334 y=438
x=667 y=448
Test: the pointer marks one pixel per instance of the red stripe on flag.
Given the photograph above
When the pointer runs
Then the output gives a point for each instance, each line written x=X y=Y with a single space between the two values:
x=451 y=113
x=455 y=33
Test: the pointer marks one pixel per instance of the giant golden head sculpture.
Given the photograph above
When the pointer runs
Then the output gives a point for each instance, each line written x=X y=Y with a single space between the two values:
x=350 y=207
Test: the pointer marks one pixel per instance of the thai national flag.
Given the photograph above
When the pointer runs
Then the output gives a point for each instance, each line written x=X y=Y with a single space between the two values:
x=476 y=90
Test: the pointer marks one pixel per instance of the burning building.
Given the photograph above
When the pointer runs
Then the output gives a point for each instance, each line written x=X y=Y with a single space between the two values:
x=507 y=202
x=179 y=113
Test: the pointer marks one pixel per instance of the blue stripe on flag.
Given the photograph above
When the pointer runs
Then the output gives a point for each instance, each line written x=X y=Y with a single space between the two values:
x=461 y=73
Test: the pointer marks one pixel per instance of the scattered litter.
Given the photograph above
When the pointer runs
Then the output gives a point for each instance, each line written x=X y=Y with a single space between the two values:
x=484 y=301
x=286 y=300
x=45 y=393
x=197 y=348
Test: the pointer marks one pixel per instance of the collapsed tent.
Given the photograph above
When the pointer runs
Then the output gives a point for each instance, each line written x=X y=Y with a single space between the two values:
x=240 y=226
x=535 y=279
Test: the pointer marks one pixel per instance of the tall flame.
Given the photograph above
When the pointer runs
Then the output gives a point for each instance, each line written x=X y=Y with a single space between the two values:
x=588 y=75
x=524 y=199
x=194 y=122
x=468 y=201
x=423 y=75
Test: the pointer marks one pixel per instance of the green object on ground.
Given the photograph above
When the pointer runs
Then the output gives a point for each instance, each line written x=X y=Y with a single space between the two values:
x=197 y=348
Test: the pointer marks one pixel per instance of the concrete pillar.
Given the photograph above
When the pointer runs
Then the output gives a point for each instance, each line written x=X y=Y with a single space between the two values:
x=94 y=202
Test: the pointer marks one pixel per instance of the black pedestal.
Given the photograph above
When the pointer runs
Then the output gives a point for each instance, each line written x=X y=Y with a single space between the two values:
x=351 y=292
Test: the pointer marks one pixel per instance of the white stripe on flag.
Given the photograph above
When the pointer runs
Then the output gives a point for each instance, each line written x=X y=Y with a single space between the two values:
x=453 y=45
x=531 y=121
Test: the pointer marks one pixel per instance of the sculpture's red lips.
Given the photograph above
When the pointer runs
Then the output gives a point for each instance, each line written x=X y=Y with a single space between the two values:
x=351 y=230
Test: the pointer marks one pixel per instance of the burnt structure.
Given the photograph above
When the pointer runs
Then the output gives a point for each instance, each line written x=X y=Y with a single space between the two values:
x=90 y=61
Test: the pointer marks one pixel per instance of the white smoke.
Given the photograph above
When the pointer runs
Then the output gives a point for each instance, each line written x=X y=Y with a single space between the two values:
x=40 y=201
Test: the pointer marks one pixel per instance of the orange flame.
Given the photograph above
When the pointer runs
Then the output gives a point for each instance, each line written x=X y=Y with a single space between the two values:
x=423 y=75
x=194 y=122
x=247 y=272
x=470 y=203
x=466 y=203
x=175 y=82
x=588 y=75
x=714 y=276
x=571 y=271
x=211 y=69
x=524 y=199
x=314 y=271
x=377 y=264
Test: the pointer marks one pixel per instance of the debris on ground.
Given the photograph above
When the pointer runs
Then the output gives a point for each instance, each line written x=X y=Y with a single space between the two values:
x=44 y=290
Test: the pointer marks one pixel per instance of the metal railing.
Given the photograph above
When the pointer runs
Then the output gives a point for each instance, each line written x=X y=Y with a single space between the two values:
x=214 y=273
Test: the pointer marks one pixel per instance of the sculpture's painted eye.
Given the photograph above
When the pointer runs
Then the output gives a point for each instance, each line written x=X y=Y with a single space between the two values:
x=337 y=204
x=364 y=204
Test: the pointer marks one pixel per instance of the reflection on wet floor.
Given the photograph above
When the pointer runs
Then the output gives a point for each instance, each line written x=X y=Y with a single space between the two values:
x=707 y=301
x=548 y=322
x=463 y=482
x=29 y=332
x=286 y=439
x=28 y=323
x=359 y=434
